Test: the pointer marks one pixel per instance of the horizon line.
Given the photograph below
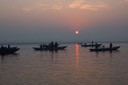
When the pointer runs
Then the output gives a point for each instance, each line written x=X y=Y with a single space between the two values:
x=63 y=42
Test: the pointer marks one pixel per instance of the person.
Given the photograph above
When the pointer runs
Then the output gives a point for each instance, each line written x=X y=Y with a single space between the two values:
x=2 y=46
x=8 y=46
x=110 y=45
x=85 y=44
x=96 y=45
x=56 y=44
x=103 y=46
x=92 y=42
x=41 y=46
x=51 y=44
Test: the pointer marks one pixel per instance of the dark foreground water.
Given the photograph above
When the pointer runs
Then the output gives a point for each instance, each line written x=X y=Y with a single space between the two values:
x=74 y=66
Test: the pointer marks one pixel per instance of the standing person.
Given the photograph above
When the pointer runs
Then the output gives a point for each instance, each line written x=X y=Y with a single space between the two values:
x=85 y=44
x=8 y=46
x=41 y=46
x=56 y=44
x=2 y=46
x=92 y=42
x=110 y=45
x=52 y=44
x=96 y=46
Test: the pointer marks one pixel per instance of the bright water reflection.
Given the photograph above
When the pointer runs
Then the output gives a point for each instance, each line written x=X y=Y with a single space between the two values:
x=74 y=66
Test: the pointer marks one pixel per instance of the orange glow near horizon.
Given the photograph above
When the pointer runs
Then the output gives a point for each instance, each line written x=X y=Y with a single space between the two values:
x=74 y=20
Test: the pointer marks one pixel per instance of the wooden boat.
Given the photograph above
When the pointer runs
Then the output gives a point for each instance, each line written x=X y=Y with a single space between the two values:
x=8 y=50
x=48 y=48
x=90 y=45
x=105 y=49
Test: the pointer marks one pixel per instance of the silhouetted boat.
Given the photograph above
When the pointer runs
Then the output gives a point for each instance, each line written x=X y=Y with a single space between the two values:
x=8 y=50
x=105 y=49
x=48 y=48
x=90 y=45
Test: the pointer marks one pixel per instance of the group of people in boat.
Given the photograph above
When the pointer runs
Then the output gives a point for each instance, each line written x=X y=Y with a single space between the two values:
x=54 y=46
x=50 y=45
x=91 y=44
x=96 y=45
x=2 y=47
x=110 y=46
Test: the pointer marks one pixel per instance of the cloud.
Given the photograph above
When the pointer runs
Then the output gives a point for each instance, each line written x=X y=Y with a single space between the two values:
x=79 y=4
x=123 y=1
x=94 y=7
x=76 y=4
x=87 y=5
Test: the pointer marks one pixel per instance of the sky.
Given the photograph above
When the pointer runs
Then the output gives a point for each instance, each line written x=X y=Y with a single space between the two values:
x=57 y=20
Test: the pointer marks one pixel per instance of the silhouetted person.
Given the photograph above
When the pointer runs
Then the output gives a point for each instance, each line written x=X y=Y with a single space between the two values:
x=51 y=44
x=41 y=46
x=2 y=47
x=56 y=44
x=85 y=44
x=96 y=46
x=92 y=42
x=110 y=45
x=8 y=46
x=103 y=46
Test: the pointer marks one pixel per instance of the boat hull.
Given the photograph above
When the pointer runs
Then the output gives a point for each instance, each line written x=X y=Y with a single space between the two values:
x=105 y=49
x=55 y=48
x=91 y=45
x=8 y=50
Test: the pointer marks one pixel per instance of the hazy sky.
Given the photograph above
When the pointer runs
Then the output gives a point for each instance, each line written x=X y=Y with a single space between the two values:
x=57 y=20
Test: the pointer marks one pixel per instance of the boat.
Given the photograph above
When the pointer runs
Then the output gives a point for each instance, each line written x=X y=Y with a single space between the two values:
x=91 y=45
x=48 y=48
x=10 y=50
x=105 y=49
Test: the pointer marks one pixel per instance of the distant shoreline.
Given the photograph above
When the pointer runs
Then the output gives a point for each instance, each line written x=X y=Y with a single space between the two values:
x=70 y=42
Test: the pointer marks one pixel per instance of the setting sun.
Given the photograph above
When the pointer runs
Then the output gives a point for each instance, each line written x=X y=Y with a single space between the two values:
x=77 y=32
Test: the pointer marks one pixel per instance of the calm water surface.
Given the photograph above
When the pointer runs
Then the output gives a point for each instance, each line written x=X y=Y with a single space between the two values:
x=75 y=65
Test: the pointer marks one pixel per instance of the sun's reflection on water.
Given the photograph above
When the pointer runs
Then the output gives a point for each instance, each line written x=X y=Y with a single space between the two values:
x=77 y=54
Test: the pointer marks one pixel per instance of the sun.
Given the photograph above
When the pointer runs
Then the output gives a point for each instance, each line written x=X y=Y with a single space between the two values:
x=77 y=32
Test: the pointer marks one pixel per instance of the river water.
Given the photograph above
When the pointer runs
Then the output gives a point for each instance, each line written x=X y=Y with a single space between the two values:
x=75 y=65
